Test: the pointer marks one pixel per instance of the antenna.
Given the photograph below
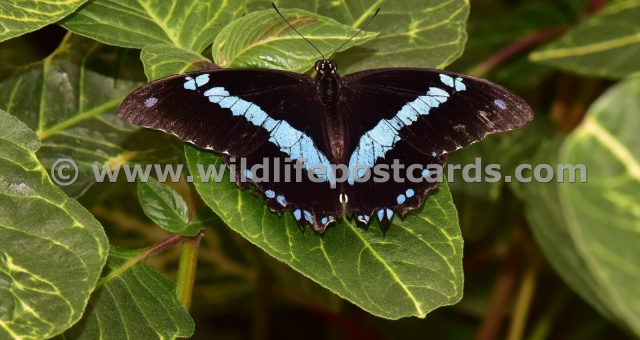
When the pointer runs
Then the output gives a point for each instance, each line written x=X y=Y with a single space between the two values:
x=359 y=31
x=300 y=34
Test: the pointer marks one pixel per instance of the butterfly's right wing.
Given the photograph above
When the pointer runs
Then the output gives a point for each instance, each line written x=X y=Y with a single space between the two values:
x=416 y=116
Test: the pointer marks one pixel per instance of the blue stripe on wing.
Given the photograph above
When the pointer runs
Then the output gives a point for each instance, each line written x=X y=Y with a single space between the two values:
x=294 y=143
x=376 y=142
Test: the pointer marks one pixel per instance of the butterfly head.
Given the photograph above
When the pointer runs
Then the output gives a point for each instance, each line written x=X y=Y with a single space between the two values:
x=326 y=66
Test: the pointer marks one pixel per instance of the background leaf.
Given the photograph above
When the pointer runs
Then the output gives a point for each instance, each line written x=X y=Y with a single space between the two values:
x=163 y=60
x=165 y=207
x=132 y=302
x=52 y=249
x=414 y=33
x=411 y=270
x=551 y=230
x=18 y=17
x=605 y=45
x=262 y=39
x=190 y=25
x=495 y=25
x=69 y=99
x=603 y=214
x=485 y=205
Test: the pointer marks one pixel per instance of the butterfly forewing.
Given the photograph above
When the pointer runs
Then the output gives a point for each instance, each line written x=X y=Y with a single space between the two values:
x=438 y=111
x=209 y=109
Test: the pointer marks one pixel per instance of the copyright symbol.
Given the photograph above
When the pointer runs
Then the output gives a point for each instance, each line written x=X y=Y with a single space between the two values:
x=64 y=172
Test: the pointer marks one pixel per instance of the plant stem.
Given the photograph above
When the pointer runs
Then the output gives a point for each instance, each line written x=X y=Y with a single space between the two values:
x=187 y=269
x=528 y=41
x=523 y=300
x=149 y=251
x=516 y=47
x=594 y=6
x=542 y=328
x=503 y=288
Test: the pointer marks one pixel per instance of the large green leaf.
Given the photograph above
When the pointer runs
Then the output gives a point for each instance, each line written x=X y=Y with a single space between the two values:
x=546 y=218
x=606 y=45
x=409 y=271
x=262 y=39
x=603 y=214
x=18 y=17
x=414 y=33
x=132 y=301
x=69 y=99
x=52 y=249
x=191 y=25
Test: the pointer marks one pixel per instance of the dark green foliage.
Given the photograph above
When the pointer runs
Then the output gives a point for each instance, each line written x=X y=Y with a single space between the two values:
x=542 y=260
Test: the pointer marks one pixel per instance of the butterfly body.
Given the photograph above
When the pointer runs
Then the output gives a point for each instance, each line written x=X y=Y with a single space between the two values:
x=361 y=121
x=335 y=122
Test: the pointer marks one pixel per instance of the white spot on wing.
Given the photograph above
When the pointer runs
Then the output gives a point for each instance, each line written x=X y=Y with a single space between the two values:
x=501 y=104
x=151 y=101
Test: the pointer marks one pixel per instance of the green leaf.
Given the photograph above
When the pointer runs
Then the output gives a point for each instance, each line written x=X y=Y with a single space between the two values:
x=546 y=218
x=52 y=248
x=132 y=301
x=202 y=217
x=190 y=25
x=603 y=214
x=605 y=45
x=163 y=60
x=165 y=207
x=411 y=270
x=411 y=33
x=262 y=39
x=18 y=17
x=70 y=98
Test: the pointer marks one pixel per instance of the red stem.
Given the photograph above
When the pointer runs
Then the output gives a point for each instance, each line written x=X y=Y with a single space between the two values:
x=516 y=47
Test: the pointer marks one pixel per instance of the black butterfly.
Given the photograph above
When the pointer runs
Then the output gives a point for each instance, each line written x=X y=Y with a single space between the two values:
x=373 y=117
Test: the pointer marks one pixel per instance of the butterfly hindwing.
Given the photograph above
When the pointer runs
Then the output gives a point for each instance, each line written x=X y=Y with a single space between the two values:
x=386 y=198
x=311 y=203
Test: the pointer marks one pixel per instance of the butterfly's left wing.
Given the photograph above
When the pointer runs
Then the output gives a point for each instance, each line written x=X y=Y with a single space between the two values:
x=265 y=117
x=416 y=116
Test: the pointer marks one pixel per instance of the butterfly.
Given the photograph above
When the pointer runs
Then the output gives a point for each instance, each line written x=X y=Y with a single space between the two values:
x=361 y=121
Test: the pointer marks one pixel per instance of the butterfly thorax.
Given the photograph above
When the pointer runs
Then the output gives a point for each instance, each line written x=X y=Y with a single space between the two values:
x=328 y=83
